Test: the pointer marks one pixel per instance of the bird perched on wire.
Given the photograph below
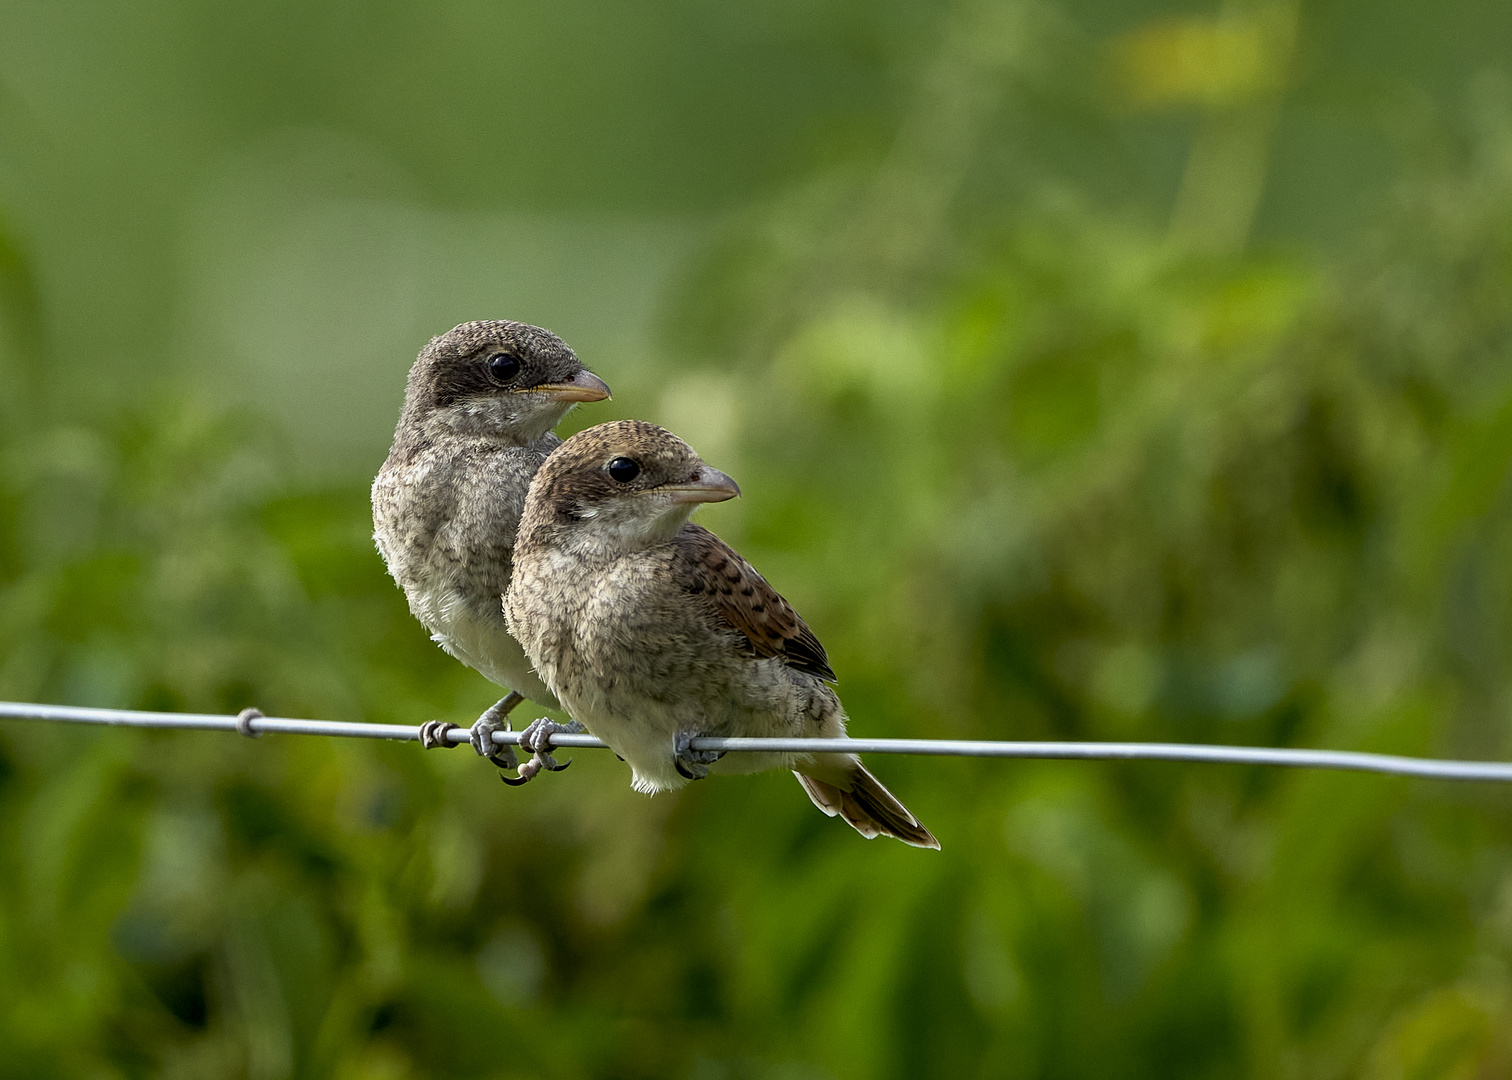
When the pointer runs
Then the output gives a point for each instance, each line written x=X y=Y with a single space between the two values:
x=652 y=631
x=478 y=412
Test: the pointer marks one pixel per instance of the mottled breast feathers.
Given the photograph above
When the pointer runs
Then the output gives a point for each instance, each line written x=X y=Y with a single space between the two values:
x=741 y=599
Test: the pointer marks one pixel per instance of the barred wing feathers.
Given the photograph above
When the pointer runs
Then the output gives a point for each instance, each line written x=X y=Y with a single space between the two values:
x=744 y=600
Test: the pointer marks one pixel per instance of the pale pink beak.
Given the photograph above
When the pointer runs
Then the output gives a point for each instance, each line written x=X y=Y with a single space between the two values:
x=711 y=486
x=584 y=386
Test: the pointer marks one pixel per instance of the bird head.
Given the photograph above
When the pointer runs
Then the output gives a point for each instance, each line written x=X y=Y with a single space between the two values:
x=621 y=486
x=503 y=379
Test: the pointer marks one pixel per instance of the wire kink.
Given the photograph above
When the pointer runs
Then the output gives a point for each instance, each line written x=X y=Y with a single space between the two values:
x=253 y=723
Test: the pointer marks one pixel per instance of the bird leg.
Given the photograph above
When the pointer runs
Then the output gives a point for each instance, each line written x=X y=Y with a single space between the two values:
x=480 y=735
x=690 y=763
x=537 y=739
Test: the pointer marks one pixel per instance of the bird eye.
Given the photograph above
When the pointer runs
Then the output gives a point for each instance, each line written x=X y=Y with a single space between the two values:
x=623 y=469
x=504 y=367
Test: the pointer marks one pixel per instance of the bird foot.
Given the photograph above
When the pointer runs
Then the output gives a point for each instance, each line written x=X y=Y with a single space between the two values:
x=433 y=733
x=495 y=718
x=690 y=763
x=537 y=739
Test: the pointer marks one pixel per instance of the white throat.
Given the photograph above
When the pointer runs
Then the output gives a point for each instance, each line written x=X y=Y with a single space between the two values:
x=627 y=525
x=520 y=419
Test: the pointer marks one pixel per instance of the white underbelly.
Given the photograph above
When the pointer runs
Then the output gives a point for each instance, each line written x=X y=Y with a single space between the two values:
x=482 y=642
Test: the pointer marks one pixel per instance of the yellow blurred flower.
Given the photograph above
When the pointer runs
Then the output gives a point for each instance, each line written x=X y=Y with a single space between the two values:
x=1196 y=61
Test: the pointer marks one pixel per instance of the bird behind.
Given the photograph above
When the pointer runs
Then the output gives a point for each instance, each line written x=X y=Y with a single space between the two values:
x=479 y=407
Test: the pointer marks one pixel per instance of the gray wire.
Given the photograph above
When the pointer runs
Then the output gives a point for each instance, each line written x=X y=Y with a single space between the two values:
x=252 y=723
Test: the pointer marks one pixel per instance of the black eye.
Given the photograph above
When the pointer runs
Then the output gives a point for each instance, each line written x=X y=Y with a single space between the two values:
x=504 y=367
x=623 y=469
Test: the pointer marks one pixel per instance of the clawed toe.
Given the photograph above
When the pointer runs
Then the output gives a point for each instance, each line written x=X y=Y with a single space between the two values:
x=537 y=739
x=692 y=764
x=481 y=738
x=504 y=759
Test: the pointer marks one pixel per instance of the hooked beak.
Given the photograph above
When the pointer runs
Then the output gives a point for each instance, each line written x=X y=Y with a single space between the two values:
x=710 y=486
x=584 y=386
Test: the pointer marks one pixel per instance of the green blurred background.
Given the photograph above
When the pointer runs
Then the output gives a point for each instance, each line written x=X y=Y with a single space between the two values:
x=1093 y=370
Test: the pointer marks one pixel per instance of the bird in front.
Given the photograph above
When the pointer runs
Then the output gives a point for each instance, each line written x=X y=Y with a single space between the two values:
x=652 y=631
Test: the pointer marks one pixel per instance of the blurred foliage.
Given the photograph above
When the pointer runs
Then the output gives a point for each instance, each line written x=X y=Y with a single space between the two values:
x=1059 y=414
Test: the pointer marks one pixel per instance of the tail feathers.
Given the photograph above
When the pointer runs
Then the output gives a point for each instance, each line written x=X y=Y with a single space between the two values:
x=867 y=807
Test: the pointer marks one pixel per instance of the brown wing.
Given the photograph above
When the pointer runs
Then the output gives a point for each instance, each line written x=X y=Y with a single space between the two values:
x=743 y=599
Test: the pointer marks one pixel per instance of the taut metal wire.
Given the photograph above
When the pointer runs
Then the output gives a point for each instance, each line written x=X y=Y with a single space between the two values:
x=253 y=723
